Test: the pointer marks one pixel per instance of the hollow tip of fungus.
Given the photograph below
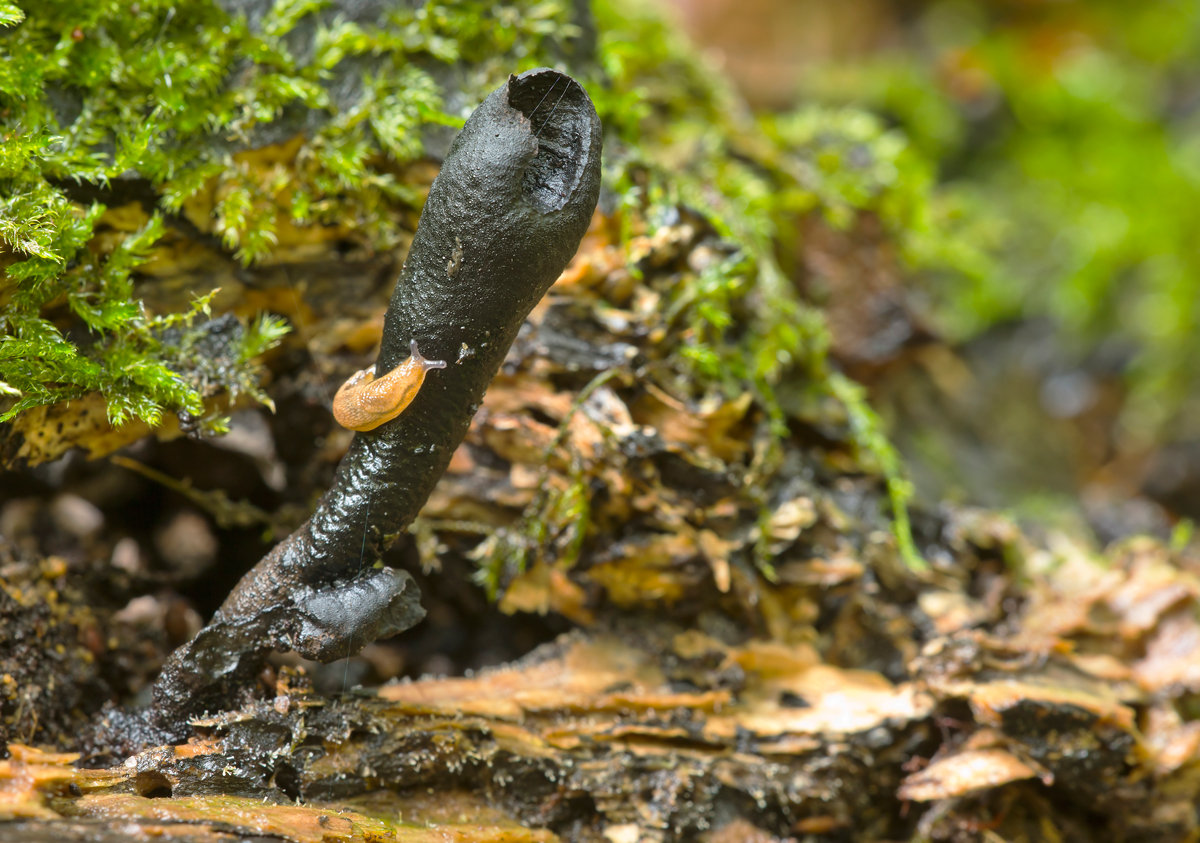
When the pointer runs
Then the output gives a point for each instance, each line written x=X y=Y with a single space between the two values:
x=566 y=131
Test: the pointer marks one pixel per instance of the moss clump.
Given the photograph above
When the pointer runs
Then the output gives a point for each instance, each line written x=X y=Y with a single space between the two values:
x=112 y=93
x=687 y=140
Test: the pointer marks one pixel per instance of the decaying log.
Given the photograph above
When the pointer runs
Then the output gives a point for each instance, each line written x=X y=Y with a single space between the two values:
x=652 y=731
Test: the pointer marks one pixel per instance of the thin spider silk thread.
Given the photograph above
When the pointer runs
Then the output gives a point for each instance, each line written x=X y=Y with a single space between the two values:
x=542 y=100
x=287 y=277
x=546 y=122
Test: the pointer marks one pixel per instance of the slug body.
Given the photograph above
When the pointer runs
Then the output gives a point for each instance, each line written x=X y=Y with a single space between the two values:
x=365 y=402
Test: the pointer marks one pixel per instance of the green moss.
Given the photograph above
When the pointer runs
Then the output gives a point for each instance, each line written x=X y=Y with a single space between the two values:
x=96 y=90
x=127 y=361
x=753 y=178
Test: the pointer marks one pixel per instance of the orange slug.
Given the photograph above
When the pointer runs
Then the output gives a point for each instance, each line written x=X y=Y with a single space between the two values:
x=364 y=403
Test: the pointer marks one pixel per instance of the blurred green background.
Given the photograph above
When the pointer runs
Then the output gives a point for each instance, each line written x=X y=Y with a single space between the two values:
x=1053 y=275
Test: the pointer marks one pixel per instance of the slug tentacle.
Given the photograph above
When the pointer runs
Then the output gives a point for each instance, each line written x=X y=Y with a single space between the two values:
x=364 y=403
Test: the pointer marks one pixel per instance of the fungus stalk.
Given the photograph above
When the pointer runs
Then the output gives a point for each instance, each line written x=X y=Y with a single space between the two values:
x=503 y=218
